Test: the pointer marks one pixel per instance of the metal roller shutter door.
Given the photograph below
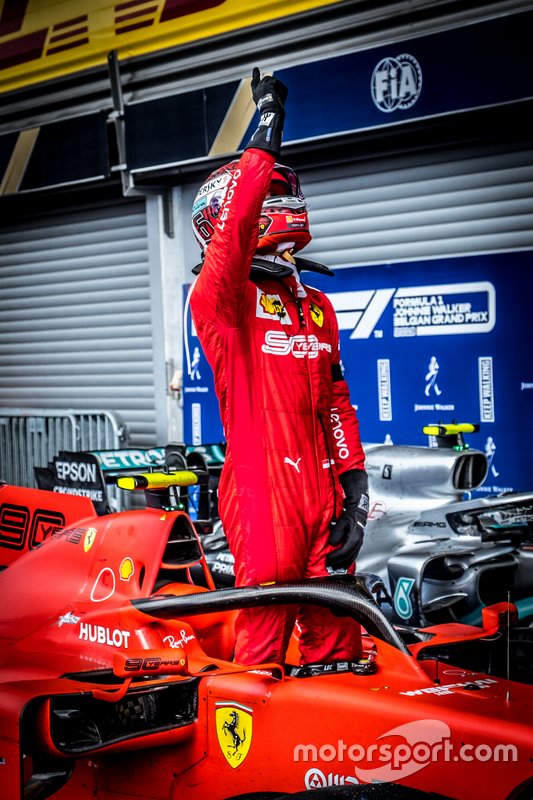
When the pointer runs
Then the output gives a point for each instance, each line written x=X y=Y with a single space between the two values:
x=442 y=204
x=75 y=319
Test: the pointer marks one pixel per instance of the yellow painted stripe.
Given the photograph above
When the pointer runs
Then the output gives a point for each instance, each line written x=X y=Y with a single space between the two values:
x=236 y=122
x=19 y=160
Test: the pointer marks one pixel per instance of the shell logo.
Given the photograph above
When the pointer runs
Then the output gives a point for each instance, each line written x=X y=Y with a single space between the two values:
x=126 y=569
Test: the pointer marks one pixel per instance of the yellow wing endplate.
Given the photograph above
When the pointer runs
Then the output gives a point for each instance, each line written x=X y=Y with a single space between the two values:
x=158 y=480
x=452 y=429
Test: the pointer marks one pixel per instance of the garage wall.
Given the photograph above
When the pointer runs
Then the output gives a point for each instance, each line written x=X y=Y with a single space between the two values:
x=446 y=203
x=75 y=315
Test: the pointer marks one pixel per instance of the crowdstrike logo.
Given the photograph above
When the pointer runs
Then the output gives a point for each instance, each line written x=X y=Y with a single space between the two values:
x=396 y=83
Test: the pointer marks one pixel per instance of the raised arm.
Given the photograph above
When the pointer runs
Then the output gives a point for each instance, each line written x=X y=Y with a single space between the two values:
x=228 y=206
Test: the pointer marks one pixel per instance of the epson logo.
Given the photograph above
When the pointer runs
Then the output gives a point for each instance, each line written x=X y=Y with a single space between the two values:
x=76 y=471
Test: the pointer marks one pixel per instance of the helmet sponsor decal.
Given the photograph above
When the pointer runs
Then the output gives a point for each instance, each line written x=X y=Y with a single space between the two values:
x=297 y=220
x=210 y=199
x=212 y=185
x=227 y=200
x=265 y=223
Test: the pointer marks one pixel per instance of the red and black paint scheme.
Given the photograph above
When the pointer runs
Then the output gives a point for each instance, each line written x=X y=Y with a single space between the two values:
x=118 y=679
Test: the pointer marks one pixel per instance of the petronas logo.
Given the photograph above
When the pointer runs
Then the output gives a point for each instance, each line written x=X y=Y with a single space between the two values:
x=402 y=598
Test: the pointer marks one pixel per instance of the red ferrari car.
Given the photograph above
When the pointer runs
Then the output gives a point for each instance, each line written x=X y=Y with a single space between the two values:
x=118 y=681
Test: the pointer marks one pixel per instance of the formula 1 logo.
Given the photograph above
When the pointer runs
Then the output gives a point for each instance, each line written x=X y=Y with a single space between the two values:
x=396 y=83
x=438 y=310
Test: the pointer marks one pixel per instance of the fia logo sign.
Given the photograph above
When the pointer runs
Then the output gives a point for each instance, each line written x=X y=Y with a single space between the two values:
x=396 y=83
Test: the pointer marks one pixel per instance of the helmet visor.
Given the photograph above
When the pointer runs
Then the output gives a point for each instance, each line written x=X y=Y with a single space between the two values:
x=285 y=204
x=285 y=194
x=285 y=181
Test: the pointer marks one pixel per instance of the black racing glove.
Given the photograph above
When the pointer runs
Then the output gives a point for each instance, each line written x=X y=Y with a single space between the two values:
x=269 y=96
x=348 y=531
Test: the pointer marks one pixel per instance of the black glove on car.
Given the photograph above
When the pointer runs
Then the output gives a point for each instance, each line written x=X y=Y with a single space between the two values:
x=269 y=96
x=348 y=531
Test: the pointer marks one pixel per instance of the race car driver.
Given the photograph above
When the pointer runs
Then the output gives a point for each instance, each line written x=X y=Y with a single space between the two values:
x=293 y=492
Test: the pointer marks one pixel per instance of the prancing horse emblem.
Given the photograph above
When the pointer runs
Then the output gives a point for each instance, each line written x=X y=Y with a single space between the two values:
x=234 y=732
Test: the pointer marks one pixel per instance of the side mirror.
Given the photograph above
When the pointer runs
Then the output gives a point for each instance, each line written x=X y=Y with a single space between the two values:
x=499 y=616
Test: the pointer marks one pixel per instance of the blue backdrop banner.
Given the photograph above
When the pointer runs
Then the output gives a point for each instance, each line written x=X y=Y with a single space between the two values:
x=417 y=78
x=421 y=343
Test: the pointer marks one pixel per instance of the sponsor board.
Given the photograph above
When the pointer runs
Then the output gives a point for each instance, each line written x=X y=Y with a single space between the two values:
x=418 y=352
x=43 y=39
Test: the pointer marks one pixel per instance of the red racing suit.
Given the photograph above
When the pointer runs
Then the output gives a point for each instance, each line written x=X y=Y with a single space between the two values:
x=289 y=426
